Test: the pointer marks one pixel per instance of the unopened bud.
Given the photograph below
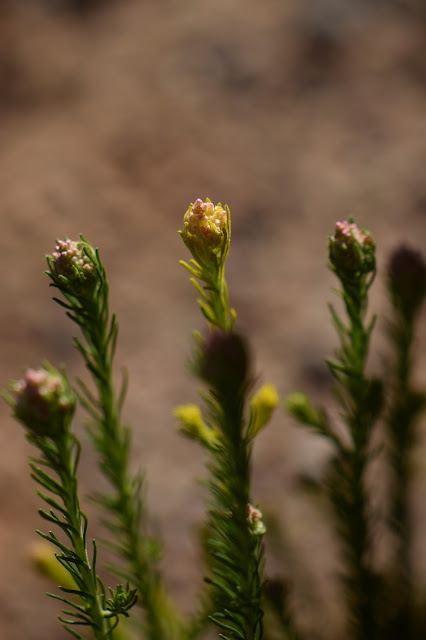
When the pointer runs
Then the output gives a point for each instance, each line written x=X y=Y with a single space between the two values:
x=205 y=227
x=72 y=265
x=255 y=520
x=121 y=600
x=407 y=279
x=351 y=250
x=193 y=426
x=44 y=560
x=224 y=363
x=262 y=406
x=300 y=407
x=42 y=401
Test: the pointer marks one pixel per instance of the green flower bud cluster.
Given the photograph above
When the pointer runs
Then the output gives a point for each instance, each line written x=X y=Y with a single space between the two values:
x=42 y=401
x=299 y=405
x=121 y=600
x=351 y=250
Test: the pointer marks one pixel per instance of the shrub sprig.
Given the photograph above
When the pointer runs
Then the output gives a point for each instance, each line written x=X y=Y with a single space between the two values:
x=222 y=363
x=44 y=403
x=76 y=269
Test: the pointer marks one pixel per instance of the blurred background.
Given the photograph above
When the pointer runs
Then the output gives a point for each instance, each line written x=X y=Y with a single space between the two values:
x=113 y=117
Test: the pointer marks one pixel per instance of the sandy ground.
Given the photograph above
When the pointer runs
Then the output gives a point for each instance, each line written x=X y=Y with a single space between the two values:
x=296 y=114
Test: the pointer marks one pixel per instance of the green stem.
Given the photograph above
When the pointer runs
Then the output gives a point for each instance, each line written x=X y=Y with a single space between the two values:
x=360 y=418
x=239 y=561
x=401 y=421
x=219 y=300
x=67 y=455
x=401 y=428
x=114 y=443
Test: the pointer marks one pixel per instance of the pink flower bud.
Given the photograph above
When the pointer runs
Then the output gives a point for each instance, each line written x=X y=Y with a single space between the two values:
x=43 y=401
x=254 y=518
x=352 y=250
x=73 y=267
x=68 y=256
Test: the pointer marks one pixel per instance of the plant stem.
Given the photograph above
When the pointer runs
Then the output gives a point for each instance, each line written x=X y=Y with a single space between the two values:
x=401 y=420
x=113 y=441
x=220 y=301
x=360 y=399
x=235 y=548
x=76 y=269
x=68 y=451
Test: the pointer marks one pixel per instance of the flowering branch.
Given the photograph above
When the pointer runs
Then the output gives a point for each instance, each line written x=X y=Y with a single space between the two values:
x=235 y=527
x=44 y=403
x=75 y=268
x=207 y=234
x=352 y=260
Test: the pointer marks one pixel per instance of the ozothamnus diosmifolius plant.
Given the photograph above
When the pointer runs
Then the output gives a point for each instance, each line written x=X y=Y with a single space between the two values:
x=380 y=604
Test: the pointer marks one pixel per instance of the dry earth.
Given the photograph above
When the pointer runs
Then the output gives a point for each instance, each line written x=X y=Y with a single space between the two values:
x=296 y=114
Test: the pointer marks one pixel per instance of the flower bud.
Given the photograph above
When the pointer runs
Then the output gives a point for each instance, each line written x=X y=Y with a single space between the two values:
x=407 y=279
x=300 y=407
x=193 y=426
x=205 y=229
x=351 y=250
x=262 y=406
x=254 y=518
x=224 y=363
x=44 y=561
x=72 y=266
x=121 y=600
x=43 y=401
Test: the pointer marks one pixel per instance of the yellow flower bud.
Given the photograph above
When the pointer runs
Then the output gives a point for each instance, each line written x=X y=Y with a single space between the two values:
x=262 y=406
x=205 y=230
x=44 y=560
x=193 y=426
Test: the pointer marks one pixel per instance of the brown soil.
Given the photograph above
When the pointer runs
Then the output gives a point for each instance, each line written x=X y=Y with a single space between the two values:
x=296 y=114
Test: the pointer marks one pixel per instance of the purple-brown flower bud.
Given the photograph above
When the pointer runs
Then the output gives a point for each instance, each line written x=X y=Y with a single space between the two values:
x=407 y=279
x=224 y=363
x=42 y=401
x=351 y=250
